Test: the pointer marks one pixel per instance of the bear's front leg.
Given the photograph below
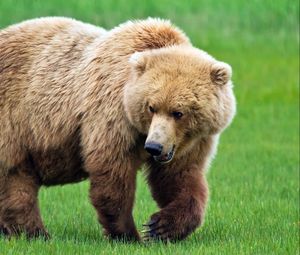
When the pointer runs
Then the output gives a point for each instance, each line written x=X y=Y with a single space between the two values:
x=112 y=194
x=182 y=196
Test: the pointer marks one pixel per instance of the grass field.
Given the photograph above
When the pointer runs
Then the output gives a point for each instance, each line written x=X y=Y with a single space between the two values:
x=254 y=180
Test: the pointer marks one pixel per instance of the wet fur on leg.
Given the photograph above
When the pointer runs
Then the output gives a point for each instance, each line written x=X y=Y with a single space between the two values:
x=19 y=212
x=113 y=198
x=182 y=197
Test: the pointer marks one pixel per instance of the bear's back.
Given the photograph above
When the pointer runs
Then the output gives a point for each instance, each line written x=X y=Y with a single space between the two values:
x=30 y=47
x=38 y=61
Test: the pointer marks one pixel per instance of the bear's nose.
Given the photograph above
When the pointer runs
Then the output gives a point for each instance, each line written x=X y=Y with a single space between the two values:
x=155 y=149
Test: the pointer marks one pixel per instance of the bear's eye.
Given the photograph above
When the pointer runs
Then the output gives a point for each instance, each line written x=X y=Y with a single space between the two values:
x=151 y=109
x=177 y=115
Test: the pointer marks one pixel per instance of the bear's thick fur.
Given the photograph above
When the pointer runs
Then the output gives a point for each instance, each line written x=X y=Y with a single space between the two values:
x=79 y=102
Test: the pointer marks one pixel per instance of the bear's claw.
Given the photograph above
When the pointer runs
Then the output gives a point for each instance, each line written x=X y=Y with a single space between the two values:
x=3 y=230
x=156 y=229
x=35 y=233
x=38 y=233
x=151 y=222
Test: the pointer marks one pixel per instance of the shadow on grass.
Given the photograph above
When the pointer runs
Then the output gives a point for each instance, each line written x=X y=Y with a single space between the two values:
x=206 y=236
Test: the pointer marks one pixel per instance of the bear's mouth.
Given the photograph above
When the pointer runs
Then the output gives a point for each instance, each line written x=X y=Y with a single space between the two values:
x=166 y=158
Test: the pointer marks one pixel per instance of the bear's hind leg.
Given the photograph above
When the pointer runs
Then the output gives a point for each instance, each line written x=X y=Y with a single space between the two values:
x=19 y=211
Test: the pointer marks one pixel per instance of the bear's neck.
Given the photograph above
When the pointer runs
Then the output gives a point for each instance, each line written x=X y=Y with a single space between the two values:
x=139 y=36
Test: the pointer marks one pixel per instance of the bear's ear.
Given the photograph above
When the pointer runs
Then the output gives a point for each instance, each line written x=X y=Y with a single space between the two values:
x=220 y=73
x=138 y=61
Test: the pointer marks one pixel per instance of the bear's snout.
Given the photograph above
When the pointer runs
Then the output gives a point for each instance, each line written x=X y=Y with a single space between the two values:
x=155 y=149
x=160 y=142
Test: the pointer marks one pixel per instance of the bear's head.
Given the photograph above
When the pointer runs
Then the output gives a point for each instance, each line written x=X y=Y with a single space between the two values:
x=175 y=96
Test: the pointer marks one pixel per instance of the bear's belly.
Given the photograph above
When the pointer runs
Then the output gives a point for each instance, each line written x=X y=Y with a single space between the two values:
x=59 y=165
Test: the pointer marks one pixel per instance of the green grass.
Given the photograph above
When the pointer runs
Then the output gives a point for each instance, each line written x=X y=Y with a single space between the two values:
x=254 y=180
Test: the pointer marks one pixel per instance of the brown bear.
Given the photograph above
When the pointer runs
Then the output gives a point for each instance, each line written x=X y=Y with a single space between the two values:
x=80 y=102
